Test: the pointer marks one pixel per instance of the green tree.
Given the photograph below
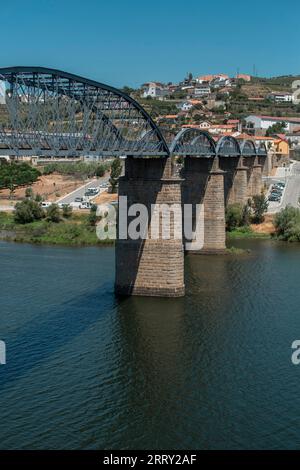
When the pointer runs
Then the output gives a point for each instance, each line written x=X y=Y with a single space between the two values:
x=287 y=224
x=116 y=170
x=260 y=206
x=277 y=128
x=92 y=218
x=67 y=211
x=53 y=213
x=28 y=193
x=27 y=211
x=234 y=216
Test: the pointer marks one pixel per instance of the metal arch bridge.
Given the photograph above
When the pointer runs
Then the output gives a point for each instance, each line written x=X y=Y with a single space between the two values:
x=47 y=111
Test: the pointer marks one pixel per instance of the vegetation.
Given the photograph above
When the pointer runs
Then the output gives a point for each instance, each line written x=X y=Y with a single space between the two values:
x=53 y=213
x=92 y=218
x=14 y=174
x=259 y=206
x=115 y=173
x=240 y=217
x=78 y=169
x=287 y=224
x=27 y=211
x=277 y=128
x=73 y=231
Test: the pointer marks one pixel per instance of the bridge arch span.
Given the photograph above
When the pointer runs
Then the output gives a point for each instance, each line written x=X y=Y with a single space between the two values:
x=49 y=109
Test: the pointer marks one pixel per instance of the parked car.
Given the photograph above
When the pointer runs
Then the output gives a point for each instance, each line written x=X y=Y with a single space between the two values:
x=45 y=204
x=85 y=205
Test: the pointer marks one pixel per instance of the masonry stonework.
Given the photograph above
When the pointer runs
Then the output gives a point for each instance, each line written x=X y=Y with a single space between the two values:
x=151 y=267
x=204 y=184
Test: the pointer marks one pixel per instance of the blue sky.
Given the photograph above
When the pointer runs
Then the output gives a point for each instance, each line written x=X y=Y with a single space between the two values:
x=130 y=42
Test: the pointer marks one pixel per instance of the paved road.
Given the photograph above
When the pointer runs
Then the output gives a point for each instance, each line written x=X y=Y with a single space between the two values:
x=80 y=191
x=292 y=191
x=4 y=208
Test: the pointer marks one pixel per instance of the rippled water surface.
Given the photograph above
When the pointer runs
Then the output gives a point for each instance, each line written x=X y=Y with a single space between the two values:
x=87 y=371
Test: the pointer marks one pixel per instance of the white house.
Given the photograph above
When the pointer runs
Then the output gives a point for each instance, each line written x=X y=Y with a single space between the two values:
x=264 y=122
x=201 y=90
x=154 y=90
x=281 y=97
x=186 y=106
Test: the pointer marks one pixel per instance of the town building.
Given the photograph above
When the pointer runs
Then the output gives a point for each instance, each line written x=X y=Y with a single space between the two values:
x=280 y=97
x=243 y=76
x=202 y=90
x=154 y=90
x=256 y=122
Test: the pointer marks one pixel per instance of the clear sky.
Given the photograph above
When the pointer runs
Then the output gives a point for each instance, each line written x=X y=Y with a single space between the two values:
x=129 y=42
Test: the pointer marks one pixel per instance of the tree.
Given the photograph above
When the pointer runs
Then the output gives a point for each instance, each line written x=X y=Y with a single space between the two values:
x=67 y=211
x=92 y=218
x=277 y=128
x=100 y=171
x=234 y=216
x=260 y=206
x=53 y=213
x=287 y=224
x=115 y=172
x=27 y=211
x=28 y=193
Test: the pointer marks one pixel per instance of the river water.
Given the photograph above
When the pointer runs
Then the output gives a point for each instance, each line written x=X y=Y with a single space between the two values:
x=210 y=371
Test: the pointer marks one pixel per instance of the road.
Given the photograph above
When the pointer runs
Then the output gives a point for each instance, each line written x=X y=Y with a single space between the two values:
x=80 y=191
x=292 y=190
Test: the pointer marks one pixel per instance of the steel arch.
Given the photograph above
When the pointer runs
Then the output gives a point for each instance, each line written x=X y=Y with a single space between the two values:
x=50 y=110
x=192 y=141
x=248 y=148
x=228 y=146
x=261 y=149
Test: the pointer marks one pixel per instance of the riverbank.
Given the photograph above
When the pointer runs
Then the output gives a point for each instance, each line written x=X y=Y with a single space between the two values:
x=74 y=231
x=77 y=231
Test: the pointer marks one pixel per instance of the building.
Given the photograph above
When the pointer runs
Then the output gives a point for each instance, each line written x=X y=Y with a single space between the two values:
x=154 y=90
x=280 y=97
x=209 y=78
x=243 y=76
x=185 y=106
x=264 y=122
x=202 y=90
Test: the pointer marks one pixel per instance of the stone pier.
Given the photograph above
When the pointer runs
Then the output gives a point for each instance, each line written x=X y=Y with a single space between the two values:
x=235 y=185
x=152 y=266
x=204 y=184
x=254 y=176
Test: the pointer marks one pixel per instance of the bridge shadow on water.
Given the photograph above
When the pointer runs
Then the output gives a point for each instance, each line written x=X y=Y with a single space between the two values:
x=43 y=336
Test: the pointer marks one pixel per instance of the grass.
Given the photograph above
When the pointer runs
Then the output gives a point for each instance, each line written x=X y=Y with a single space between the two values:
x=74 y=231
x=246 y=232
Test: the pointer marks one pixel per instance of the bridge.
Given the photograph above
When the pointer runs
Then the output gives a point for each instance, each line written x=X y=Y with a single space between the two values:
x=49 y=112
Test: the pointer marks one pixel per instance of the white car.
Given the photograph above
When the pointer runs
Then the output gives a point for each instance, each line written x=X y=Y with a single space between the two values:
x=85 y=205
x=46 y=204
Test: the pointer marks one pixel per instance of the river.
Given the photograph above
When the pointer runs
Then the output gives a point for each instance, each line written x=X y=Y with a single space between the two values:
x=209 y=371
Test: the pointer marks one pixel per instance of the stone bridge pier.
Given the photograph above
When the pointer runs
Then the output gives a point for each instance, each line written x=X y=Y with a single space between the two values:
x=204 y=184
x=235 y=180
x=254 y=176
x=153 y=266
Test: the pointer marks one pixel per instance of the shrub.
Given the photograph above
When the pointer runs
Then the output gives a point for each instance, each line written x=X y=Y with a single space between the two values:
x=234 y=216
x=287 y=224
x=92 y=218
x=260 y=206
x=27 y=211
x=53 y=213
x=115 y=173
x=67 y=211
